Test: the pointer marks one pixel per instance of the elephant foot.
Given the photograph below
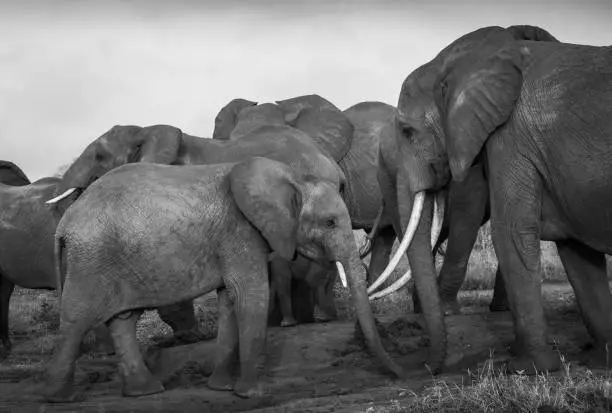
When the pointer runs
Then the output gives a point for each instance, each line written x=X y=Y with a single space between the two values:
x=59 y=392
x=220 y=382
x=498 y=307
x=451 y=307
x=596 y=355
x=322 y=316
x=546 y=361
x=135 y=386
x=288 y=322
x=5 y=348
x=248 y=390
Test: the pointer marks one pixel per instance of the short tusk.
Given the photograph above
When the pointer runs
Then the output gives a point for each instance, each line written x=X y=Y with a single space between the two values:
x=62 y=196
x=341 y=273
x=415 y=217
x=393 y=287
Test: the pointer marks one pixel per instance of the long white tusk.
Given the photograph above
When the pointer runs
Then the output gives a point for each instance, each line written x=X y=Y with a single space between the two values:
x=393 y=287
x=436 y=228
x=341 y=273
x=415 y=217
x=438 y=218
x=62 y=196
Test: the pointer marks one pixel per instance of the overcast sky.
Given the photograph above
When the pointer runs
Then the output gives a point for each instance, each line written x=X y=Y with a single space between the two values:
x=70 y=70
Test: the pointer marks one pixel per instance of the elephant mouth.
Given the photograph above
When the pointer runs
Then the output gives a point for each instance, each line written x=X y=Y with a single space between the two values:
x=315 y=256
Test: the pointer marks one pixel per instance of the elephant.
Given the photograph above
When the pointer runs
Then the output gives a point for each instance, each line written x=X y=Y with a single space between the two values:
x=148 y=235
x=533 y=112
x=351 y=138
x=169 y=145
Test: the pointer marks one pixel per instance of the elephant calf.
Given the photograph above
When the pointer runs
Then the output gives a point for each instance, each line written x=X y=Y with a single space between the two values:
x=147 y=235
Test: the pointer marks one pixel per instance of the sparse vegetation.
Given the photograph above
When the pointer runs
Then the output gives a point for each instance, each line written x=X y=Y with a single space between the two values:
x=34 y=314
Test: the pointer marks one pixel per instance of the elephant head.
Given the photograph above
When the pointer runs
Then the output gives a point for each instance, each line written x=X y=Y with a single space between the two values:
x=303 y=215
x=446 y=110
x=327 y=125
x=320 y=119
x=225 y=121
x=11 y=174
x=118 y=146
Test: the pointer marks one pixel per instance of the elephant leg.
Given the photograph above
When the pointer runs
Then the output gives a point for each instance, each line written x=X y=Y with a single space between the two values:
x=381 y=250
x=516 y=190
x=226 y=352
x=499 y=302
x=103 y=341
x=183 y=321
x=325 y=305
x=280 y=277
x=467 y=203
x=6 y=290
x=136 y=377
x=75 y=321
x=586 y=271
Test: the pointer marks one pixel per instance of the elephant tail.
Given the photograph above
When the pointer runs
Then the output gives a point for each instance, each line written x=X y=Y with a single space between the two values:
x=60 y=263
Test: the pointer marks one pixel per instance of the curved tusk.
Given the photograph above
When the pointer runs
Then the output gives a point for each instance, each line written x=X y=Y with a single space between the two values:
x=341 y=273
x=438 y=218
x=403 y=280
x=62 y=196
x=415 y=217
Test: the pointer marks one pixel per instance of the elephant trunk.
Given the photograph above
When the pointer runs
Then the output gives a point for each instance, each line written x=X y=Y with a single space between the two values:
x=357 y=284
x=77 y=177
x=423 y=268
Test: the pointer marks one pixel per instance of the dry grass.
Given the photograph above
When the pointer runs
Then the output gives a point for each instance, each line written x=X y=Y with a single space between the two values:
x=493 y=391
x=34 y=314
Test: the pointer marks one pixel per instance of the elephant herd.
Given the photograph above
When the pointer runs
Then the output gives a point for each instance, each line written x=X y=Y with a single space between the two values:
x=504 y=124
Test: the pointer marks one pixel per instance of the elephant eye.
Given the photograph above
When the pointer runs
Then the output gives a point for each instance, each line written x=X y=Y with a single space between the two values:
x=408 y=131
x=330 y=222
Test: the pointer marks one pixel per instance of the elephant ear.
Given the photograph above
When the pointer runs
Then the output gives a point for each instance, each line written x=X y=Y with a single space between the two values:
x=158 y=144
x=534 y=33
x=226 y=118
x=327 y=125
x=11 y=174
x=475 y=94
x=253 y=117
x=293 y=106
x=268 y=196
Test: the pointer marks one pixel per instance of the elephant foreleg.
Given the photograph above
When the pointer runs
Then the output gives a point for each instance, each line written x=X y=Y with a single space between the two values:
x=183 y=321
x=325 y=306
x=280 y=279
x=136 y=377
x=6 y=290
x=226 y=352
x=586 y=271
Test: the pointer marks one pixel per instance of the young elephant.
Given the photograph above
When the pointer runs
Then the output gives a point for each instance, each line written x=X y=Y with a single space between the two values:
x=147 y=235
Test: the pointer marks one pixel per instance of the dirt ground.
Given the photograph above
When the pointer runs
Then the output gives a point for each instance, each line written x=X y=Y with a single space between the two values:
x=314 y=367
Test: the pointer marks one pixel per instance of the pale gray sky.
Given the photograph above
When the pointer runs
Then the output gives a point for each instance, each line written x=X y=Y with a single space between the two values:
x=70 y=70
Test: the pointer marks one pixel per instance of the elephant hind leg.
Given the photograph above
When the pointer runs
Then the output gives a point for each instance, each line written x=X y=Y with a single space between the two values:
x=586 y=271
x=6 y=290
x=60 y=370
x=137 y=379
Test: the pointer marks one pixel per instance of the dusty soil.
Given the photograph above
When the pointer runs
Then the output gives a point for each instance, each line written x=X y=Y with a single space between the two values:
x=313 y=367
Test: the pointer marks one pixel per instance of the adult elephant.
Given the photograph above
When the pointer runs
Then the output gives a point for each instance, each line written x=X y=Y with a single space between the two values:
x=351 y=138
x=169 y=145
x=184 y=231
x=535 y=114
